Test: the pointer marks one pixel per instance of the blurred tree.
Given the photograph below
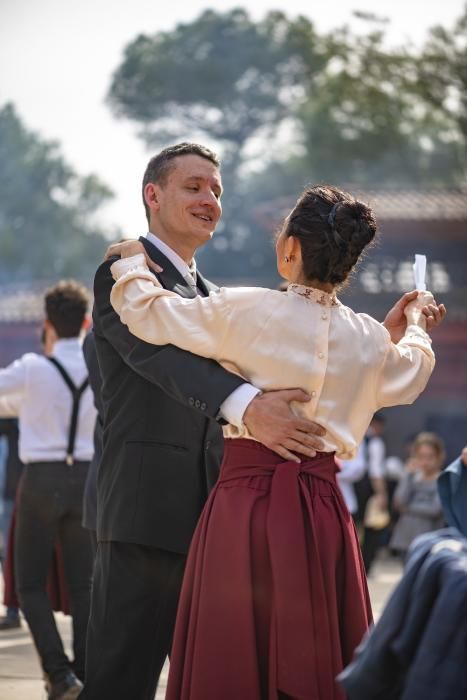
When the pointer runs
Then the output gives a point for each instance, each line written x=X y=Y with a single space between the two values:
x=46 y=210
x=289 y=106
x=222 y=77
x=368 y=118
x=442 y=75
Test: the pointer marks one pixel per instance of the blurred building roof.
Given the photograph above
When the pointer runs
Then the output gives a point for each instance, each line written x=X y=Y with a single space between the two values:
x=414 y=204
x=21 y=302
x=388 y=204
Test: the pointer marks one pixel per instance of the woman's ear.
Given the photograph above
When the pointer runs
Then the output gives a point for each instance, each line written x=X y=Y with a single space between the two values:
x=293 y=248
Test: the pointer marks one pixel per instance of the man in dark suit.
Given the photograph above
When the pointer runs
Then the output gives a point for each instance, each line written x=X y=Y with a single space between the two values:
x=162 y=440
x=90 y=487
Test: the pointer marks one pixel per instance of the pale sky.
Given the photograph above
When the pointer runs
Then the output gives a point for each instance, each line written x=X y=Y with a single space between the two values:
x=57 y=58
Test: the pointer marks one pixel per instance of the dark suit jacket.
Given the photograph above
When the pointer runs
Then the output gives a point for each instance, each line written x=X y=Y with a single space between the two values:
x=95 y=382
x=452 y=489
x=162 y=445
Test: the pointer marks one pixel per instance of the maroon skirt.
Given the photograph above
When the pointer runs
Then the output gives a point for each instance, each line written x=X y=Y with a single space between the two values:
x=274 y=599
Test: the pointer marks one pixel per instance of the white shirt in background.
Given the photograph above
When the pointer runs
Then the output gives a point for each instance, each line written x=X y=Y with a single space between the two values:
x=351 y=470
x=33 y=389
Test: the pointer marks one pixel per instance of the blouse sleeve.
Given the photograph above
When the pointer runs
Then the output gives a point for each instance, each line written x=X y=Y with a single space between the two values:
x=162 y=317
x=406 y=368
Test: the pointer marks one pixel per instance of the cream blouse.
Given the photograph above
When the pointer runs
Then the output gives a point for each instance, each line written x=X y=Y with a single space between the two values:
x=303 y=338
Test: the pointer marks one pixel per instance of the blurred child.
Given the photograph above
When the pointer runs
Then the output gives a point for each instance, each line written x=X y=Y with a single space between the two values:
x=416 y=497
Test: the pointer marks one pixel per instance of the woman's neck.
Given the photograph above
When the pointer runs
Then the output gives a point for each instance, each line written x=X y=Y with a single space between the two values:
x=316 y=284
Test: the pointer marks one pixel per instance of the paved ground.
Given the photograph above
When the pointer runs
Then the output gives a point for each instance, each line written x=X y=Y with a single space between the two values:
x=20 y=676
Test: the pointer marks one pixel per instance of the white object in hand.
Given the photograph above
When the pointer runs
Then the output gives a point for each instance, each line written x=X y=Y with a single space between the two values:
x=419 y=270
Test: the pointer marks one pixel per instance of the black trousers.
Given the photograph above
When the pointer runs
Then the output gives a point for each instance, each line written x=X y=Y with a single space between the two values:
x=50 y=509
x=134 y=603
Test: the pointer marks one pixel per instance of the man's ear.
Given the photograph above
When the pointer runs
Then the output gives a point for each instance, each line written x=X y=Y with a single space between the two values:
x=152 y=196
x=49 y=337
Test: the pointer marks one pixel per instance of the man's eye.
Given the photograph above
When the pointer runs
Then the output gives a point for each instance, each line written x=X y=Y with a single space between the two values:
x=193 y=189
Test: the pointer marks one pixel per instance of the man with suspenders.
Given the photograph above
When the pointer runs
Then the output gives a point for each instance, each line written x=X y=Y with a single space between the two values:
x=56 y=415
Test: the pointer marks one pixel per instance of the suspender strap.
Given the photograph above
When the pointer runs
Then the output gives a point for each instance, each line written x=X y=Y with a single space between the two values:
x=76 y=392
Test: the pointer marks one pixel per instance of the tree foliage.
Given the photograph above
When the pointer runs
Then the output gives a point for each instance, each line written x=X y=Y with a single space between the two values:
x=222 y=76
x=47 y=228
x=288 y=106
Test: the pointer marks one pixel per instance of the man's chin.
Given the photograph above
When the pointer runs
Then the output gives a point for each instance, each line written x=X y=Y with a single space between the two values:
x=204 y=236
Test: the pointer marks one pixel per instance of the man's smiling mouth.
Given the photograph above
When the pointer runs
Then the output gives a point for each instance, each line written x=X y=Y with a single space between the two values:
x=203 y=217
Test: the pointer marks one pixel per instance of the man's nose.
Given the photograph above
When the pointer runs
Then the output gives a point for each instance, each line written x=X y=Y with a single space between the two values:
x=210 y=199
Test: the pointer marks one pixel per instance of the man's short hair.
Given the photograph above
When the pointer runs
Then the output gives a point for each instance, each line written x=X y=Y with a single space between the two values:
x=159 y=167
x=66 y=305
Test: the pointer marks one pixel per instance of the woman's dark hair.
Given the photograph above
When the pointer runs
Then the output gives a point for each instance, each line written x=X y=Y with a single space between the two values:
x=333 y=229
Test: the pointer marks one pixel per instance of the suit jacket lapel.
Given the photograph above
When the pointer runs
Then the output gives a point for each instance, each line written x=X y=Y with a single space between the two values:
x=204 y=285
x=170 y=277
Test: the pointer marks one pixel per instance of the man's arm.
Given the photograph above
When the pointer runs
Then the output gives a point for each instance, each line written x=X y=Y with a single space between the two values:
x=194 y=381
x=12 y=383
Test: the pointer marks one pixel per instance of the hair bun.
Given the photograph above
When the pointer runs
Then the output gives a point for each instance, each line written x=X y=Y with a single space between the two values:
x=355 y=223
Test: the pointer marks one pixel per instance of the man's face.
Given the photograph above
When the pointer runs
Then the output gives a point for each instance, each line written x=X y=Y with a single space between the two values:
x=188 y=205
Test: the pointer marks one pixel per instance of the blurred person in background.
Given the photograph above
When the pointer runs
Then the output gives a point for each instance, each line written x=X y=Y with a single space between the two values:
x=416 y=496
x=56 y=421
x=373 y=486
x=351 y=470
x=452 y=488
x=13 y=470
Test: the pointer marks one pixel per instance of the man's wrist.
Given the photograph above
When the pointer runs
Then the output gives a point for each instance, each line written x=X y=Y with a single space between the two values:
x=234 y=407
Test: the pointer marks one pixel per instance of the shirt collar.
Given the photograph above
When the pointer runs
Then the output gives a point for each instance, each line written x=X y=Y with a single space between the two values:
x=65 y=345
x=186 y=271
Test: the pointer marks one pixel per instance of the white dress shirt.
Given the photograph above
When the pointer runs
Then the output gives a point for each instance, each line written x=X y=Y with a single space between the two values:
x=351 y=470
x=33 y=389
x=376 y=451
x=235 y=405
x=302 y=338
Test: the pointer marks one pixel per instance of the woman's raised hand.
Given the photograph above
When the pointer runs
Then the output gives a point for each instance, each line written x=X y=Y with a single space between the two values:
x=415 y=311
x=129 y=248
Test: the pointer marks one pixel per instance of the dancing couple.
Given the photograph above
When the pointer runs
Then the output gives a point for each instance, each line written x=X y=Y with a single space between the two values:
x=274 y=597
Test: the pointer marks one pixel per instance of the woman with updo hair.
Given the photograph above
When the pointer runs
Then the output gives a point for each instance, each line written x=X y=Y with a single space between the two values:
x=275 y=599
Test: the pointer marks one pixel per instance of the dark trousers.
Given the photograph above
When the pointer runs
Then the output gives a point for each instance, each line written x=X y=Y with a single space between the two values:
x=134 y=603
x=50 y=509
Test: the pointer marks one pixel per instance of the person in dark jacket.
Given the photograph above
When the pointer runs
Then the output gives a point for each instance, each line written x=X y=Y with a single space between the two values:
x=418 y=649
x=14 y=469
x=452 y=488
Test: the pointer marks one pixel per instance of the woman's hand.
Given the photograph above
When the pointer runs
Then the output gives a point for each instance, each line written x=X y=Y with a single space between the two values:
x=414 y=311
x=127 y=249
x=396 y=321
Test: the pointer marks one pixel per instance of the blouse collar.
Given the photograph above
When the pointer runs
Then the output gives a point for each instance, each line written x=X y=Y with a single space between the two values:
x=316 y=295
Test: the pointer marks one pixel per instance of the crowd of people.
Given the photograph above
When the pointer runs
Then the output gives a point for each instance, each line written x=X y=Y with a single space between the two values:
x=200 y=467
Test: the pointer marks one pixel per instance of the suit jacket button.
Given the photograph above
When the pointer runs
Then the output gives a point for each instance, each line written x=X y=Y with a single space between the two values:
x=203 y=406
x=191 y=401
x=207 y=445
x=197 y=403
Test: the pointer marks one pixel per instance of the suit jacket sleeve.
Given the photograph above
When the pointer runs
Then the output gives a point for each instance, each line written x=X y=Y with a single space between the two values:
x=180 y=374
